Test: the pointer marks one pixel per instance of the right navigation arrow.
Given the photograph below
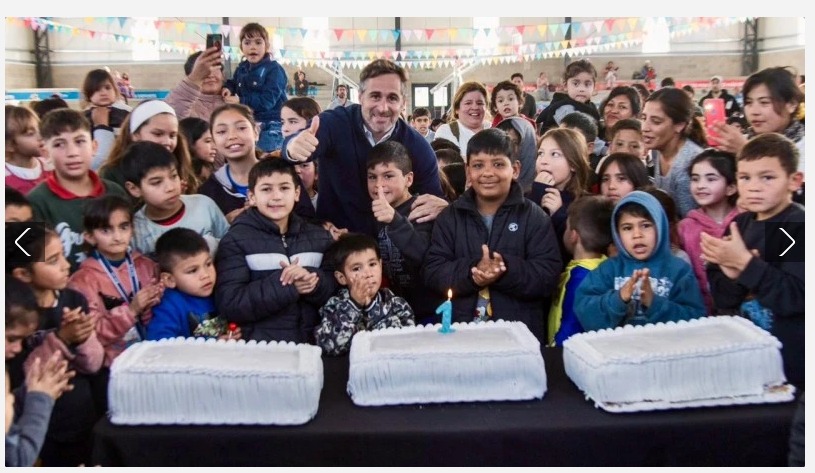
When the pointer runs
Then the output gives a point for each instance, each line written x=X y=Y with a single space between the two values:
x=791 y=244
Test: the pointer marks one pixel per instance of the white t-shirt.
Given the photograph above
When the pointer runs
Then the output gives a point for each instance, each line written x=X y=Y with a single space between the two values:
x=464 y=136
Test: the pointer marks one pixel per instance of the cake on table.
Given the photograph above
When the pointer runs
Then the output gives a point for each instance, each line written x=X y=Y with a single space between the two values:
x=702 y=362
x=206 y=381
x=491 y=361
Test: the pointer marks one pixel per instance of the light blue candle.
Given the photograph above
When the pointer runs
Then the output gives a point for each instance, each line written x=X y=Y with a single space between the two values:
x=446 y=311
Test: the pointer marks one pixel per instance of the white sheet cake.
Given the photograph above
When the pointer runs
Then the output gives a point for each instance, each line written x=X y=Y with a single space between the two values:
x=198 y=381
x=492 y=361
x=707 y=361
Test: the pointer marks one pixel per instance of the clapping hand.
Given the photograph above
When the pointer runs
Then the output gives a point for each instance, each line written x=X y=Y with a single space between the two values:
x=75 y=326
x=51 y=378
x=489 y=268
x=729 y=252
x=362 y=288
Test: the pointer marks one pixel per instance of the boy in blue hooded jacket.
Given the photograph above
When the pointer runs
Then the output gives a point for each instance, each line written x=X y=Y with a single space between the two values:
x=644 y=283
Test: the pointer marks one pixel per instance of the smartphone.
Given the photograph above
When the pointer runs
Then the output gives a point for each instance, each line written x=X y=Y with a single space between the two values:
x=714 y=113
x=215 y=40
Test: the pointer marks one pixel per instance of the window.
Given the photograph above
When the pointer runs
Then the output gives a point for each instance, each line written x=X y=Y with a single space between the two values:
x=316 y=39
x=482 y=40
x=146 y=39
x=801 y=32
x=656 y=37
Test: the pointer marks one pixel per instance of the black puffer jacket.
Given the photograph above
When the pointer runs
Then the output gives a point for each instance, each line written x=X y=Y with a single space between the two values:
x=521 y=232
x=562 y=105
x=248 y=290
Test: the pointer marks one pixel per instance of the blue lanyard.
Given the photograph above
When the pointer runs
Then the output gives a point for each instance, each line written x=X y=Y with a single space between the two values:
x=131 y=268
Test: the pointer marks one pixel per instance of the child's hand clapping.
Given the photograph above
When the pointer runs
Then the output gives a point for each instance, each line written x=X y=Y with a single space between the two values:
x=362 y=288
x=52 y=378
x=489 y=268
x=146 y=298
x=646 y=291
x=383 y=212
x=75 y=327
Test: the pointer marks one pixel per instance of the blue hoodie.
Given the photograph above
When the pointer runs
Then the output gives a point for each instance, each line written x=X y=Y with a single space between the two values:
x=676 y=292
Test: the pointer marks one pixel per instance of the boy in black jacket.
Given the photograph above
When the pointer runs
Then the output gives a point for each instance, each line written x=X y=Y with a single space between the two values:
x=402 y=243
x=270 y=280
x=492 y=247
x=746 y=275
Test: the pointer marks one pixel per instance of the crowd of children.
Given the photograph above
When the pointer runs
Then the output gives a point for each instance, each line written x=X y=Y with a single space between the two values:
x=203 y=227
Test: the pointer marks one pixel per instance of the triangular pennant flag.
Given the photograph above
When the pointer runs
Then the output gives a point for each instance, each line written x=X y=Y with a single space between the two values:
x=338 y=33
x=395 y=34
x=122 y=20
x=598 y=26
x=226 y=29
x=361 y=34
x=542 y=30
x=453 y=33
x=576 y=28
x=520 y=29
x=406 y=34
x=632 y=23
x=303 y=32
x=429 y=33
x=179 y=27
x=372 y=34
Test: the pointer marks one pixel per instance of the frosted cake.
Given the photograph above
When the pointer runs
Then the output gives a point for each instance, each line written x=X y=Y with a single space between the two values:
x=200 y=381
x=492 y=361
x=702 y=362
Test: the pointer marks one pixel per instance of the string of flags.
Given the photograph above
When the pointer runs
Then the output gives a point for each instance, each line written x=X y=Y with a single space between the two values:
x=586 y=38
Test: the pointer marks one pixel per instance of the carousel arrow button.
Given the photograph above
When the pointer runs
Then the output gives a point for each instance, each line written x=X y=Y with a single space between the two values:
x=791 y=244
x=17 y=242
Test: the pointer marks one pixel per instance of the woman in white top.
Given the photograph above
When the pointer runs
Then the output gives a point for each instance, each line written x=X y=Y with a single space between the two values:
x=469 y=110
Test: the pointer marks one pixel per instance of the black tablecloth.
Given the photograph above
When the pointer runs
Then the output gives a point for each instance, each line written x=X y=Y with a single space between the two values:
x=561 y=429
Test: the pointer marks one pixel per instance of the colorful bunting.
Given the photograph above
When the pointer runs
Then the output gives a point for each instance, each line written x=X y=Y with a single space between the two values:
x=586 y=39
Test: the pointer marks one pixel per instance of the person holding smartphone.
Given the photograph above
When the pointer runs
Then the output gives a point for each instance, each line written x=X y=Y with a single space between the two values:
x=772 y=101
x=731 y=105
x=199 y=92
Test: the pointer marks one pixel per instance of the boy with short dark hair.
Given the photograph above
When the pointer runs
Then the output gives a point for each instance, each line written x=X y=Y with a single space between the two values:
x=644 y=283
x=420 y=122
x=151 y=174
x=271 y=279
x=18 y=208
x=362 y=304
x=187 y=308
x=626 y=137
x=402 y=243
x=587 y=237
x=492 y=247
x=743 y=279
x=59 y=200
